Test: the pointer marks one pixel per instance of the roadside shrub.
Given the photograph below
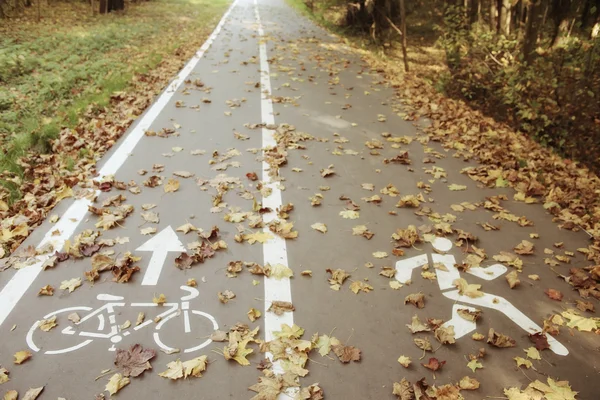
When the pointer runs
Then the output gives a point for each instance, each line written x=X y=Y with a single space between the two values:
x=556 y=98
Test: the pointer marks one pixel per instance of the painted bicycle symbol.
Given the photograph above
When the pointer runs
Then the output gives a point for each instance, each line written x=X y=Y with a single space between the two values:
x=115 y=334
x=445 y=281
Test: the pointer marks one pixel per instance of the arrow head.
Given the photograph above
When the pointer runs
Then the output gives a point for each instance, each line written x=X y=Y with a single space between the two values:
x=166 y=240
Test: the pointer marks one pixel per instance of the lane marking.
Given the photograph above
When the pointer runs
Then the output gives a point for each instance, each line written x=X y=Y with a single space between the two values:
x=274 y=250
x=14 y=290
x=160 y=245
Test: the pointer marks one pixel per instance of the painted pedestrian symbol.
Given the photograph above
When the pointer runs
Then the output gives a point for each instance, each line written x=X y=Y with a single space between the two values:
x=445 y=280
x=172 y=311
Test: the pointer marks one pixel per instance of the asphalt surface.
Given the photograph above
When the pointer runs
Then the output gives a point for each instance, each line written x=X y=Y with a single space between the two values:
x=322 y=88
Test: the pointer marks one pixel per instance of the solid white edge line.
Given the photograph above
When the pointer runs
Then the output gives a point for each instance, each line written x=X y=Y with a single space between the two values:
x=274 y=250
x=16 y=287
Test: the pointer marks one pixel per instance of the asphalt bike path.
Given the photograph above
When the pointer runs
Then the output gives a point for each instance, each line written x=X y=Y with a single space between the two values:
x=268 y=77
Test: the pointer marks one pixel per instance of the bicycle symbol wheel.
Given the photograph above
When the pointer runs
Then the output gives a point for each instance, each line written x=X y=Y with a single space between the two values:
x=58 y=334
x=200 y=319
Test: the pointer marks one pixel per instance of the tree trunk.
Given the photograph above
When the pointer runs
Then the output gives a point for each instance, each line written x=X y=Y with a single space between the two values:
x=531 y=30
x=494 y=17
x=403 y=28
x=472 y=8
x=107 y=6
x=504 y=18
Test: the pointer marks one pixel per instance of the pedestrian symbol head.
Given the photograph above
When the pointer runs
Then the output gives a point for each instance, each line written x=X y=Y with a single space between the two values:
x=442 y=245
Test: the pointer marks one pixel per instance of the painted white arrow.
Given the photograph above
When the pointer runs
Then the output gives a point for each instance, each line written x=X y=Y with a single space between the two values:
x=160 y=244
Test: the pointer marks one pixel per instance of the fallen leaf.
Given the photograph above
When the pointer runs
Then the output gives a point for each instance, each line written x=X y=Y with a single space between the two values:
x=455 y=187
x=417 y=326
x=417 y=299
x=474 y=365
x=11 y=395
x=513 y=279
x=22 y=356
x=267 y=388
x=404 y=390
x=467 y=289
x=225 y=296
x=319 y=227
x=279 y=307
x=533 y=353
x=554 y=294
x=70 y=284
x=445 y=335
x=324 y=344
x=46 y=291
x=380 y=254
x=468 y=314
x=3 y=375
x=521 y=362
x=160 y=300
x=423 y=344
x=434 y=364
x=404 y=361
x=540 y=340
x=135 y=361
x=47 y=324
x=171 y=186
x=253 y=314
x=468 y=383
x=349 y=214
x=358 y=286
x=346 y=353
x=524 y=248
x=500 y=340
x=116 y=383
x=33 y=393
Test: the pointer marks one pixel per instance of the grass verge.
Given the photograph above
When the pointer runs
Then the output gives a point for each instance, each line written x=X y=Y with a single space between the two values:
x=54 y=71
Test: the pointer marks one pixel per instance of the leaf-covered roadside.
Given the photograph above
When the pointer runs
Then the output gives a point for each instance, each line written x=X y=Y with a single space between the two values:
x=96 y=103
x=567 y=190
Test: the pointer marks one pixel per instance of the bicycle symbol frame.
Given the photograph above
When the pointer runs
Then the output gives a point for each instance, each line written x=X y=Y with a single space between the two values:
x=116 y=335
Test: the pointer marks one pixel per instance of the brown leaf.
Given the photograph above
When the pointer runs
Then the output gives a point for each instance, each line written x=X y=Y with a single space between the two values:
x=540 y=340
x=225 y=296
x=417 y=299
x=123 y=274
x=434 y=364
x=524 y=248
x=468 y=383
x=554 y=294
x=46 y=291
x=403 y=390
x=445 y=335
x=500 y=340
x=252 y=176
x=135 y=361
x=423 y=344
x=346 y=353
x=279 y=307
x=469 y=315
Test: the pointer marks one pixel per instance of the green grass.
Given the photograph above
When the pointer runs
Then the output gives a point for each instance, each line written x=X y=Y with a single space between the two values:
x=50 y=72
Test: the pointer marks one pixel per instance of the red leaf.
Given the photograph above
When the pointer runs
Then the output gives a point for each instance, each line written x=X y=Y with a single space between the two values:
x=554 y=294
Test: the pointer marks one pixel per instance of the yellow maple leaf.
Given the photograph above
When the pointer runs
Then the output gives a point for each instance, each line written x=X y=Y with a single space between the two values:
x=467 y=289
x=258 y=236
